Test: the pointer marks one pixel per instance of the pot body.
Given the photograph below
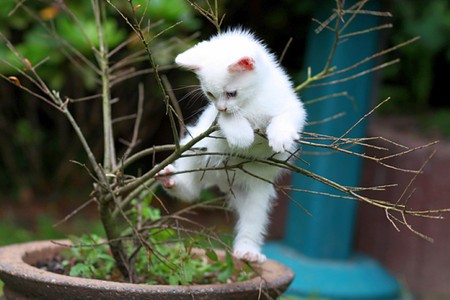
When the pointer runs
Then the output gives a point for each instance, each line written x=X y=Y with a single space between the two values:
x=22 y=281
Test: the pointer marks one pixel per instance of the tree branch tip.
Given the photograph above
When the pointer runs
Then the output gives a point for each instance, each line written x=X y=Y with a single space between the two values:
x=14 y=80
x=136 y=8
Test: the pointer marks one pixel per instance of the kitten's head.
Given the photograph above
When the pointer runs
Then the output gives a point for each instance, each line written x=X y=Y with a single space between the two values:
x=227 y=66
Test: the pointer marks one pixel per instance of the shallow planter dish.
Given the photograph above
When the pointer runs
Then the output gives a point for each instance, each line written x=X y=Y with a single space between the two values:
x=23 y=281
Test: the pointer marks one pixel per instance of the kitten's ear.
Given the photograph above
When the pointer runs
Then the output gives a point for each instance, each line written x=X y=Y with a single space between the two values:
x=242 y=65
x=189 y=60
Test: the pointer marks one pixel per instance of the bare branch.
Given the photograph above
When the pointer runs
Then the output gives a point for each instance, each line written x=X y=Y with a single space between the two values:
x=137 y=122
x=173 y=100
x=361 y=119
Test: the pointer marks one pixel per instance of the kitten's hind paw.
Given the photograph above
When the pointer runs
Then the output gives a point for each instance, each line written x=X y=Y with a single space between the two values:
x=247 y=250
x=165 y=177
x=249 y=256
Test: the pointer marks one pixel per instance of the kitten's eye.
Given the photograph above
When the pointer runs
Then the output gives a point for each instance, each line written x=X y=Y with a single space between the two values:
x=210 y=95
x=231 y=94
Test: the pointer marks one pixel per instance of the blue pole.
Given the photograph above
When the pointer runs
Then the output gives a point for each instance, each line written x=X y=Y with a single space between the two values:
x=319 y=247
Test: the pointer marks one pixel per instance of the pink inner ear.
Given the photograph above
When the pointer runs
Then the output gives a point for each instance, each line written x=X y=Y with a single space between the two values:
x=244 y=64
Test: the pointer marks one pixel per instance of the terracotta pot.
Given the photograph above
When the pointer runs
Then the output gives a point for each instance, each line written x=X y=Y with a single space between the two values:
x=23 y=281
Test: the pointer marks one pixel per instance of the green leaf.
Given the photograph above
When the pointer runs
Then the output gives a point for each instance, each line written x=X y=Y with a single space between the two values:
x=224 y=275
x=80 y=270
x=154 y=214
x=104 y=256
x=229 y=260
x=188 y=272
x=173 y=280
x=212 y=255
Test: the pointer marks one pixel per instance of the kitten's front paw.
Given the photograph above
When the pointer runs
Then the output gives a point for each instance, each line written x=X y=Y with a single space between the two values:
x=249 y=253
x=237 y=131
x=166 y=178
x=243 y=141
x=281 y=141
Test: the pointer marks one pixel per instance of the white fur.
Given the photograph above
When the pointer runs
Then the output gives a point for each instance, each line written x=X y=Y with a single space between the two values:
x=265 y=101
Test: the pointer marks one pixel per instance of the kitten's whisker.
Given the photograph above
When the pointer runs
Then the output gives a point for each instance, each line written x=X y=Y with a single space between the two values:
x=192 y=86
x=194 y=94
x=195 y=113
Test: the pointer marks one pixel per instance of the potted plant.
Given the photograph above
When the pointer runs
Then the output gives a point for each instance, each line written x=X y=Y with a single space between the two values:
x=137 y=236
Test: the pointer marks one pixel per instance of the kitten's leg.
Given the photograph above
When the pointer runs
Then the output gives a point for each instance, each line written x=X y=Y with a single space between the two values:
x=252 y=207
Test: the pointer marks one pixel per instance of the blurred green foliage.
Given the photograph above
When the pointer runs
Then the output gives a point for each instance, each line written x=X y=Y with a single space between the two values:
x=26 y=134
x=437 y=122
x=41 y=227
x=418 y=85
x=60 y=37
x=59 y=33
x=40 y=29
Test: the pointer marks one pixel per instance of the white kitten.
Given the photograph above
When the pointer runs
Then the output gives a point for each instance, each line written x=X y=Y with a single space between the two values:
x=248 y=90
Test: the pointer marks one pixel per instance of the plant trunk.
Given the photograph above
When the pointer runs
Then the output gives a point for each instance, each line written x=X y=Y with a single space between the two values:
x=112 y=231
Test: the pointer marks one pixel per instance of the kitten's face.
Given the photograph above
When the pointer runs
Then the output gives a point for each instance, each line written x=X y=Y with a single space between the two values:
x=229 y=87
x=228 y=79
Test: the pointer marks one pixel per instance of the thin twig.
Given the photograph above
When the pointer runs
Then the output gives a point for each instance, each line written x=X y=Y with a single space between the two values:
x=173 y=100
x=285 y=49
x=137 y=123
x=74 y=212
x=361 y=120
